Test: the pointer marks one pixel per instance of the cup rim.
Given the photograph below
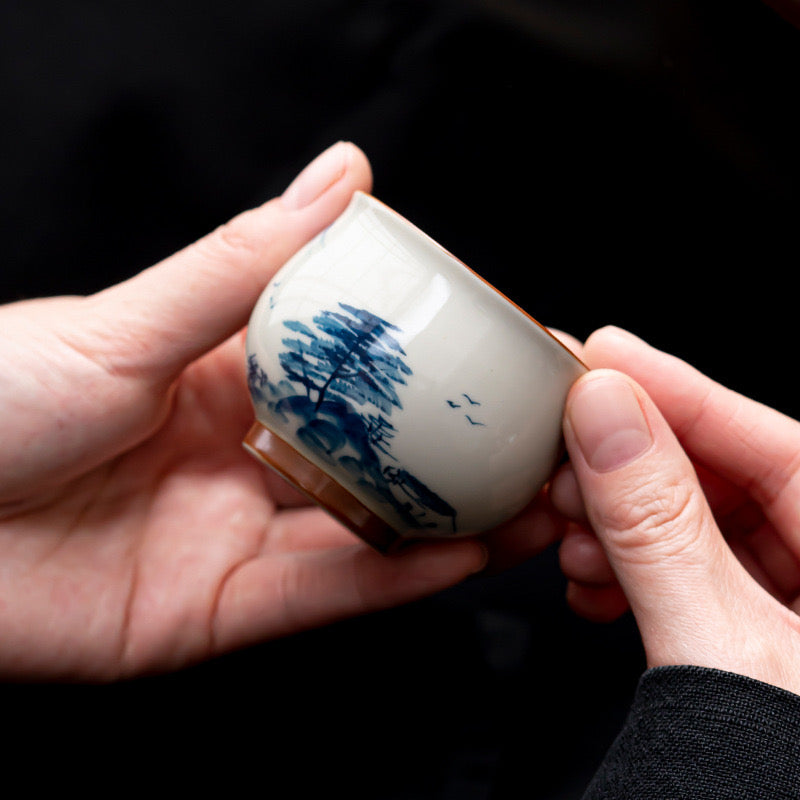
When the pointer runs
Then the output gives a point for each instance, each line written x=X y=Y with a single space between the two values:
x=379 y=205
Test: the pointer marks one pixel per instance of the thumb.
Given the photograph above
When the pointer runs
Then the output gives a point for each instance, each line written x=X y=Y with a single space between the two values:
x=644 y=501
x=111 y=356
x=166 y=316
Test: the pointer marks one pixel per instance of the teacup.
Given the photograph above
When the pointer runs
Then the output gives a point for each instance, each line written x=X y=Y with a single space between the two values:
x=399 y=390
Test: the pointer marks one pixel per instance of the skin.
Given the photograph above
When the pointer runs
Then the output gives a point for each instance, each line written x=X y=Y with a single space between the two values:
x=695 y=527
x=136 y=534
x=691 y=520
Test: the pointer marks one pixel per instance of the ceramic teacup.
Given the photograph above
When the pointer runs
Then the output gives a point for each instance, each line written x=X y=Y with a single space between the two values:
x=398 y=389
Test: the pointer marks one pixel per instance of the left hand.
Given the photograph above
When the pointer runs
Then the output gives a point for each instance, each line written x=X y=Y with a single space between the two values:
x=136 y=534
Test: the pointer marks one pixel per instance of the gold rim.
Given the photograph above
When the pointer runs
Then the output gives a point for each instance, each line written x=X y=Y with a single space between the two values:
x=469 y=269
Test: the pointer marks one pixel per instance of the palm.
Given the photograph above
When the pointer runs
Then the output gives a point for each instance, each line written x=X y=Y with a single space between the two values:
x=136 y=534
x=136 y=562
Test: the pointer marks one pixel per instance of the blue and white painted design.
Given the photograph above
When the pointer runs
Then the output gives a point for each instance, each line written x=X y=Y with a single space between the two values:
x=337 y=394
x=467 y=404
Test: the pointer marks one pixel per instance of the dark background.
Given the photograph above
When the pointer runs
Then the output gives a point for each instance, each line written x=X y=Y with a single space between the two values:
x=633 y=162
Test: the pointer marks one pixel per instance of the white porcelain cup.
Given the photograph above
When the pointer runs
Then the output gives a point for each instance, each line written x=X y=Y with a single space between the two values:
x=398 y=389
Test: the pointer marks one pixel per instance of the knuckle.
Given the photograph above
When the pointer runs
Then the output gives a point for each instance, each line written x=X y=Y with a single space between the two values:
x=235 y=238
x=242 y=240
x=657 y=519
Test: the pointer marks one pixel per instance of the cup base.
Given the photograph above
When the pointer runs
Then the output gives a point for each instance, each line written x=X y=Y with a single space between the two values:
x=319 y=487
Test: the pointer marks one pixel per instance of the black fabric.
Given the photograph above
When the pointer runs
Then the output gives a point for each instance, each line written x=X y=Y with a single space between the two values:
x=703 y=734
x=631 y=162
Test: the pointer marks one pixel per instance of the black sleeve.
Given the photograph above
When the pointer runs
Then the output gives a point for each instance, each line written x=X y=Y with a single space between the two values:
x=706 y=735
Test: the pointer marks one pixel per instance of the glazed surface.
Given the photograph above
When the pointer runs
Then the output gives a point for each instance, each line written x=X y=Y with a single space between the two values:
x=402 y=374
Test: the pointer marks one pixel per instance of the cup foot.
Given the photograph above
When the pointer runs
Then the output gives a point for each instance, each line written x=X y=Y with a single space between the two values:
x=319 y=487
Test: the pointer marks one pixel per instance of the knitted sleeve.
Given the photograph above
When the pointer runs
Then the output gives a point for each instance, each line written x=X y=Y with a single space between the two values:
x=704 y=734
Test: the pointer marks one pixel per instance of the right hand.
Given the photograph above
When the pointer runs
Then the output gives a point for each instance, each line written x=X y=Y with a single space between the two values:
x=698 y=530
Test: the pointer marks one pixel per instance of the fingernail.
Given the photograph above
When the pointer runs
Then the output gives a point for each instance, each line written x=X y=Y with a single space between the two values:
x=317 y=177
x=608 y=423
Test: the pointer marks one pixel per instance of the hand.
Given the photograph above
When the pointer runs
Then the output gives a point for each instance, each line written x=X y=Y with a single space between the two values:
x=698 y=528
x=136 y=534
x=788 y=9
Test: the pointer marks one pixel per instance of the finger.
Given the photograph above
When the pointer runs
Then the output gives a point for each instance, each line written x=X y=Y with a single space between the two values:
x=565 y=494
x=597 y=603
x=569 y=341
x=772 y=563
x=754 y=447
x=109 y=359
x=741 y=550
x=166 y=316
x=526 y=535
x=273 y=596
x=306 y=529
x=583 y=559
x=724 y=497
x=648 y=511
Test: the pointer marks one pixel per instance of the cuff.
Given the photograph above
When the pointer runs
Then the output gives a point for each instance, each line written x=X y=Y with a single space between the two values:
x=704 y=734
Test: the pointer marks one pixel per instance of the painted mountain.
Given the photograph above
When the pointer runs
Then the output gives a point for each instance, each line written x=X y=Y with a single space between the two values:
x=337 y=395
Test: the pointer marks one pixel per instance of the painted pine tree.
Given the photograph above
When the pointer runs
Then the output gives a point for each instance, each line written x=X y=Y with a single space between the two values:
x=349 y=360
x=354 y=356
